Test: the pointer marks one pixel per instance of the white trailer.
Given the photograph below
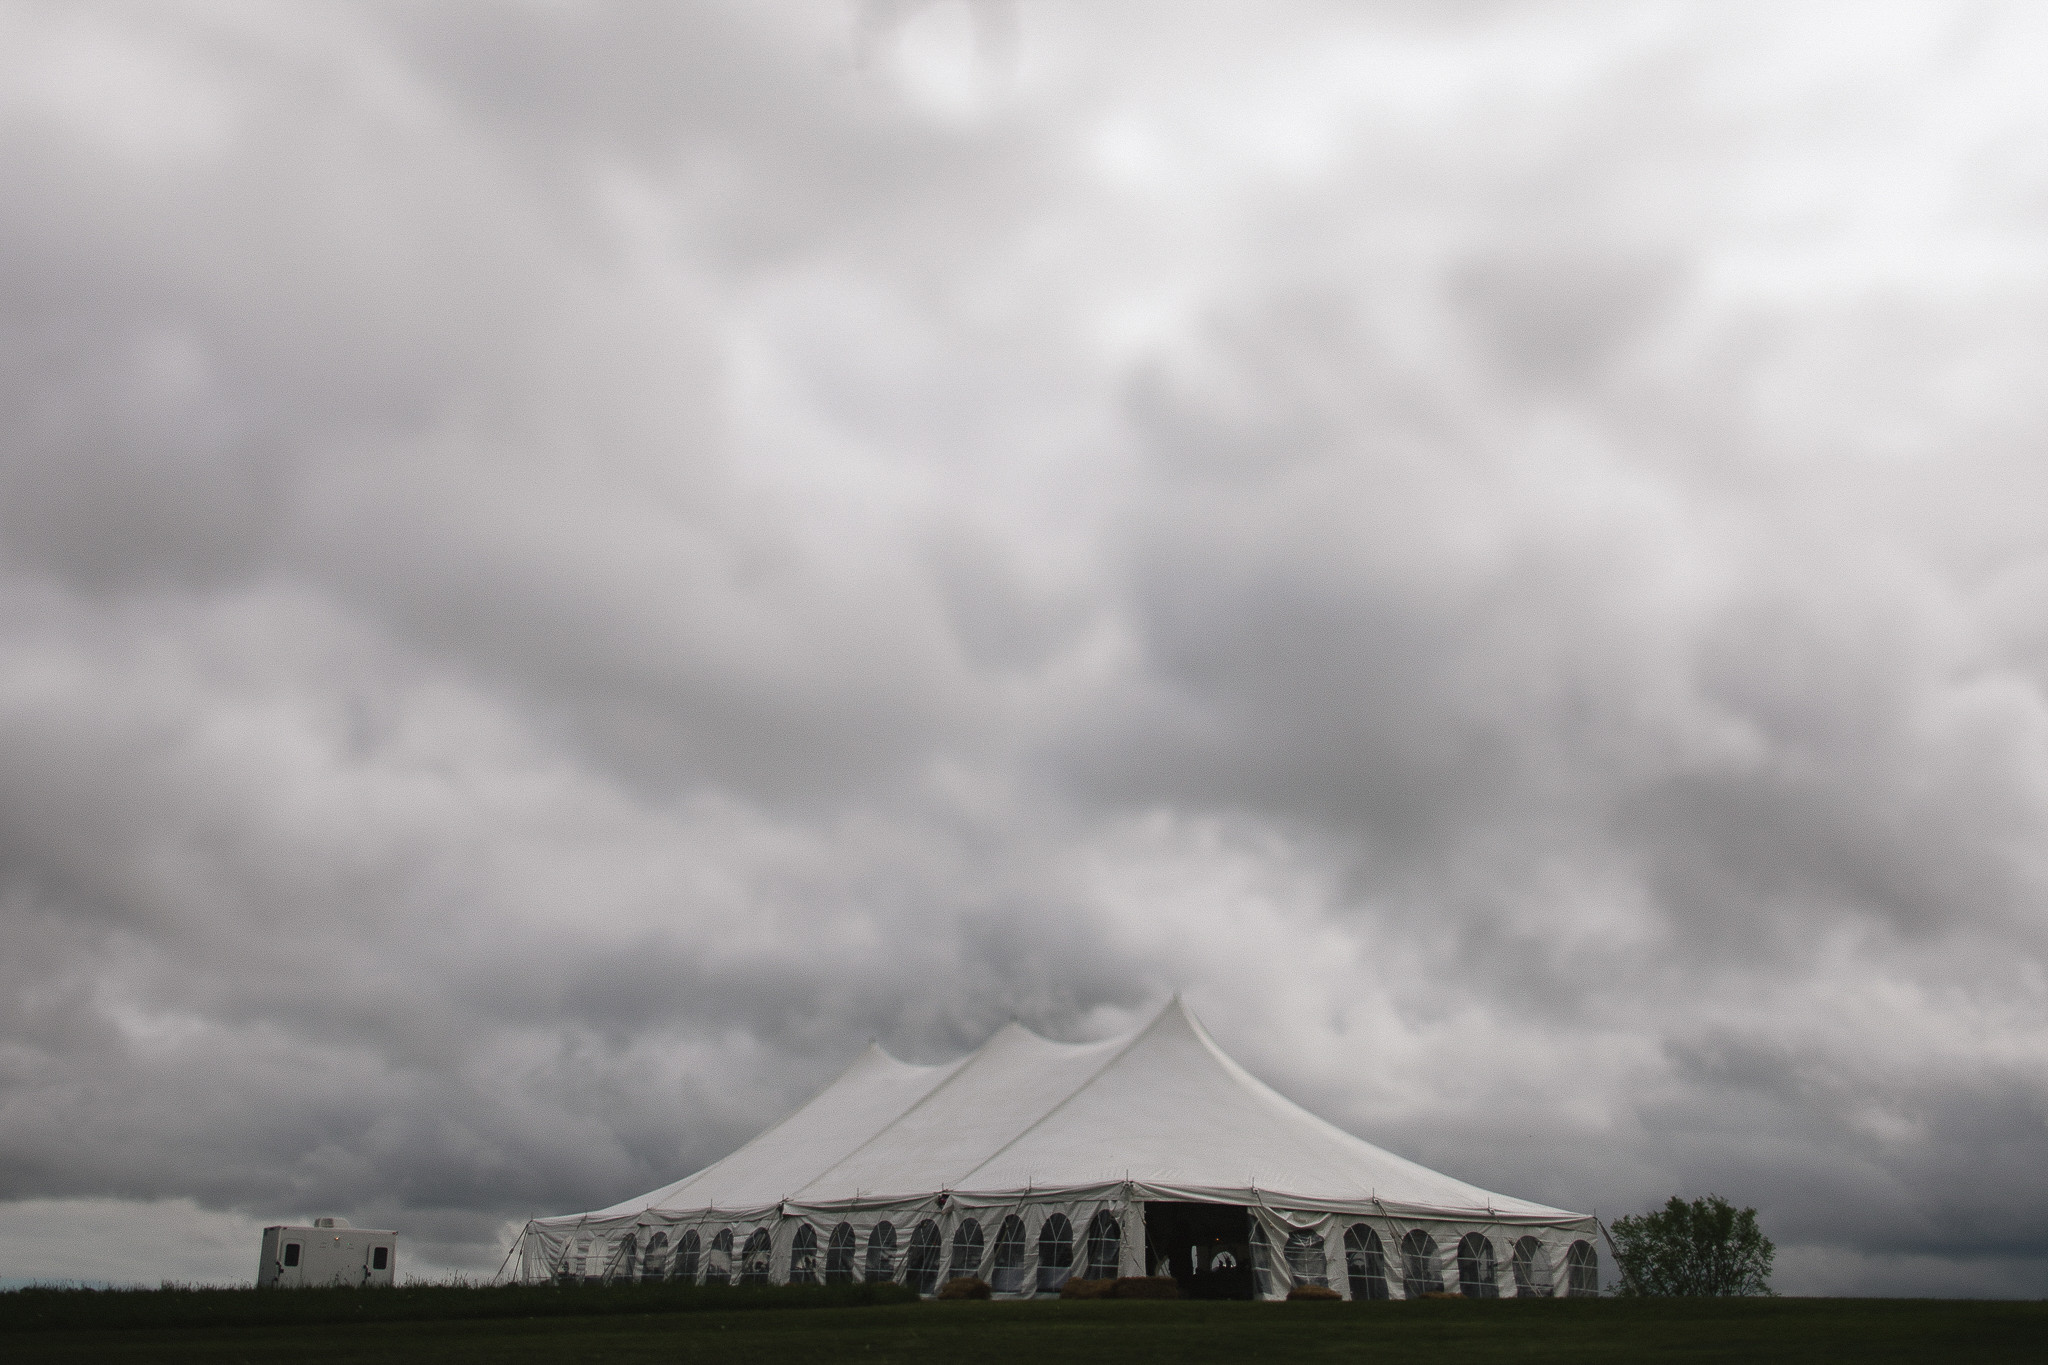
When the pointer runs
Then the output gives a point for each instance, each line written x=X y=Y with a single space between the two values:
x=328 y=1253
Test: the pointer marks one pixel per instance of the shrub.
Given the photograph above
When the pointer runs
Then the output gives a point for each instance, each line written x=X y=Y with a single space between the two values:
x=966 y=1287
x=1705 y=1248
x=1145 y=1287
x=1311 y=1292
x=1086 y=1289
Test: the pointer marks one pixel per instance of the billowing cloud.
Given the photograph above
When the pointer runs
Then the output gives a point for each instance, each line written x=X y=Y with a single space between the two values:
x=561 y=569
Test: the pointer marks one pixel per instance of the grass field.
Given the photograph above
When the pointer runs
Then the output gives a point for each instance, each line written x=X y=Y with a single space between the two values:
x=1691 y=1330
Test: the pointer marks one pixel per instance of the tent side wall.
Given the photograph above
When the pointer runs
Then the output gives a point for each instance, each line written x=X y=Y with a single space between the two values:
x=1362 y=1249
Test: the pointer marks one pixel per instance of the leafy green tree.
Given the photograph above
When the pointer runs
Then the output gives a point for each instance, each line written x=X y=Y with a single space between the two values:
x=1707 y=1247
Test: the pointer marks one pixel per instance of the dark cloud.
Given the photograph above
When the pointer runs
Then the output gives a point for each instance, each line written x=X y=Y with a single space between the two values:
x=561 y=569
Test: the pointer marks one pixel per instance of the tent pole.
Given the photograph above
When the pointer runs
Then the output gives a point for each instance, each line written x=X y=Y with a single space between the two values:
x=508 y=1253
x=1615 y=1252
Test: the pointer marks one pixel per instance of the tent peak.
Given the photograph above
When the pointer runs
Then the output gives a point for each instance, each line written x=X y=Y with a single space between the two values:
x=1176 y=1008
x=1158 y=1104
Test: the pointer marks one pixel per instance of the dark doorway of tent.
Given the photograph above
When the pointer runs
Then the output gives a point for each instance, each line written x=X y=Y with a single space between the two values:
x=1207 y=1248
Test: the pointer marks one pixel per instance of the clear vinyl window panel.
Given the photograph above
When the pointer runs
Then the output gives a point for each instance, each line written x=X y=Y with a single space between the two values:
x=966 y=1262
x=1582 y=1271
x=1532 y=1274
x=1006 y=1275
x=1266 y=1281
x=1478 y=1273
x=1307 y=1262
x=803 y=1255
x=1365 y=1262
x=881 y=1253
x=1105 y=1246
x=840 y=1255
x=1421 y=1268
x=754 y=1259
x=1055 y=1252
x=921 y=1266
x=718 y=1258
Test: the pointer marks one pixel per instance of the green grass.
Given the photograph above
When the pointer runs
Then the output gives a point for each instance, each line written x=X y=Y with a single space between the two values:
x=189 y=1307
x=1579 y=1331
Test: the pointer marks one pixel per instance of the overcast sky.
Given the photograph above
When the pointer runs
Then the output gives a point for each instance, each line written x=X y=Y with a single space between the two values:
x=563 y=566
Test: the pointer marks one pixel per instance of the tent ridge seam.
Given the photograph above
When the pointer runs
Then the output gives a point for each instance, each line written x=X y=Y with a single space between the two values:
x=682 y=1186
x=1093 y=1076
x=964 y=1065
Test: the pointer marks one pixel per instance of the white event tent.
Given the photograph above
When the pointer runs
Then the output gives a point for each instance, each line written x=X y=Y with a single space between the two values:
x=1030 y=1161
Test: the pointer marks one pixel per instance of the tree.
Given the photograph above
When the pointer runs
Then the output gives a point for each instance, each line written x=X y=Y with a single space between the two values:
x=1706 y=1247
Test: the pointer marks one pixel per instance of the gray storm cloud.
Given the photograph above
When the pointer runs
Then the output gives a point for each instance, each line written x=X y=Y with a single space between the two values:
x=560 y=569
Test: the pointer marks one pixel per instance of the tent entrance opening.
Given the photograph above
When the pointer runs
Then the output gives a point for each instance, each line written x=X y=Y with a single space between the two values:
x=1207 y=1248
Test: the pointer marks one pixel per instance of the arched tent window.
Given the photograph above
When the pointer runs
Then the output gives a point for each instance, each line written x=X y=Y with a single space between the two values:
x=1007 y=1275
x=1532 y=1275
x=754 y=1260
x=1055 y=1253
x=1264 y=1280
x=803 y=1255
x=921 y=1265
x=966 y=1262
x=1365 y=1262
x=1306 y=1260
x=1105 y=1246
x=882 y=1253
x=1582 y=1271
x=1419 y=1265
x=718 y=1258
x=839 y=1255
x=656 y=1260
x=1478 y=1273
x=685 y=1267
x=629 y=1256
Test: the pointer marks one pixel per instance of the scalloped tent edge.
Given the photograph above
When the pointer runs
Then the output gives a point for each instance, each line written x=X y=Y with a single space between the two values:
x=1030 y=1128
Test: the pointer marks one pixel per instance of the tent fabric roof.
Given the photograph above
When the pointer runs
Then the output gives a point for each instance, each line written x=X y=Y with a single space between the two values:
x=1163 y=1106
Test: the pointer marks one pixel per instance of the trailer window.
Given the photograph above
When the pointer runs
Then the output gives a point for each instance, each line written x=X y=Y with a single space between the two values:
x=380 y=1258
x=291 y=1253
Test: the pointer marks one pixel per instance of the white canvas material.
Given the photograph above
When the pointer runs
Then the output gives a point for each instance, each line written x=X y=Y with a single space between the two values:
x=1032 y=1128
